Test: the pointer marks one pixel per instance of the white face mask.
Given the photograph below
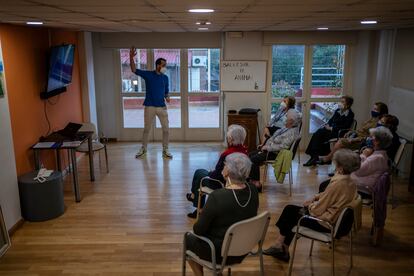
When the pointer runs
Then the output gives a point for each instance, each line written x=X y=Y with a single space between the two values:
x=163 y=70
x=283 y=105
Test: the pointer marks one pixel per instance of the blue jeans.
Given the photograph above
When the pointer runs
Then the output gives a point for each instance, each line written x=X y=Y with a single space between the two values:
x=195 y=186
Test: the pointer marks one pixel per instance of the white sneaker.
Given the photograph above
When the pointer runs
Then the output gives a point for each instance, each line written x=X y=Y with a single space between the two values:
x=166 y=154
x=141 y=153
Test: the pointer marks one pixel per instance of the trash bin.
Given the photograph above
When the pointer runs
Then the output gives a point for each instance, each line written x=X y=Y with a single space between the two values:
x=41 y=201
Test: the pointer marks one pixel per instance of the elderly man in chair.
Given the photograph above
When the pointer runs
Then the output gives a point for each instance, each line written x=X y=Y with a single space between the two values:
x=281 y=139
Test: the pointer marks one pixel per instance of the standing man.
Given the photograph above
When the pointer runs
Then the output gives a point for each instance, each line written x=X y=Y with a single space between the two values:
x=156 y=83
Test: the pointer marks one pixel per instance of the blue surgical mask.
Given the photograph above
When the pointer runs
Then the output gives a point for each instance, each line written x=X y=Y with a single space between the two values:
x=375 y=114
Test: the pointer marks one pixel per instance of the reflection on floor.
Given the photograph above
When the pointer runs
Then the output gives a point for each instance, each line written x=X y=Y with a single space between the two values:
x=131 y=222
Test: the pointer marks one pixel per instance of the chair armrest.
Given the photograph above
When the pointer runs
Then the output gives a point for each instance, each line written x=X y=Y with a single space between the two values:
x=209 y=242
x=333 y=140
x=324 y=222
x=210 y=179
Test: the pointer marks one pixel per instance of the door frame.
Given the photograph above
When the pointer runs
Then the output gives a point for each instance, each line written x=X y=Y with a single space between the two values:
x=185 y=133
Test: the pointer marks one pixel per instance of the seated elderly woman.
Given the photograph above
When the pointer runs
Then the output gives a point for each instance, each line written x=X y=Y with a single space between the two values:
x=354 y=139
x=236 y=202
x=326 y=205
x=342 y=118
x=281 y=139
x=391 y=122
x=235 y=137
x=279 y=119
x=374 y=160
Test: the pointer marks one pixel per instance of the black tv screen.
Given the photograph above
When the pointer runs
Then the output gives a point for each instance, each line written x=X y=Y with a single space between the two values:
x=60 y=69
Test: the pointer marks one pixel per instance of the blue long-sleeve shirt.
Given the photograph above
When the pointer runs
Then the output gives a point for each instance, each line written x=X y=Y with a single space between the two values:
x=156 y=86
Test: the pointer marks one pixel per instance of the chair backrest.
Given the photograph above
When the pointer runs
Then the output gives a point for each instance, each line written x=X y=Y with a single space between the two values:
x=300 y=126
x=294 y=147
x=344 y=223
x=243 y=236
x=398 y=154
x=89 y=127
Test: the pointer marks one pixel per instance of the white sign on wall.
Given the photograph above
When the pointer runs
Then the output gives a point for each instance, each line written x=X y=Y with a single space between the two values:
x=245 y=76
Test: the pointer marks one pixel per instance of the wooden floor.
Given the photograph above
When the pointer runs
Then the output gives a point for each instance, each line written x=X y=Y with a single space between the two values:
x=131 y=222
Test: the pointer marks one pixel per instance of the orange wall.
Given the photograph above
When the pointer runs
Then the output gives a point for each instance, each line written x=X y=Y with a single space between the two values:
x=25 y=52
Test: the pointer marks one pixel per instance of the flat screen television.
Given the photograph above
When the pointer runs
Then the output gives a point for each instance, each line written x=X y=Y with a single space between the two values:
x=60 y=70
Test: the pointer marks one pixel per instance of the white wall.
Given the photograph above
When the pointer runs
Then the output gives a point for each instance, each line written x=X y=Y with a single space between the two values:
x=401 y=90
x=249 y=47
x=106 y=103
x=87 y=78
x=9 y=192
x=363 y=60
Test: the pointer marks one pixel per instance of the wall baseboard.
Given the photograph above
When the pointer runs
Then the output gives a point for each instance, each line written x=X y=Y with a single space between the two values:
x=16 y=226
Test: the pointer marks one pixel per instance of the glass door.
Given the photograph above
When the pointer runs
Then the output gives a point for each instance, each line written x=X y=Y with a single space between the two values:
x=132 y=94
x=314 y=75
x=173 y=58
x=195 y=108
x=203 y=97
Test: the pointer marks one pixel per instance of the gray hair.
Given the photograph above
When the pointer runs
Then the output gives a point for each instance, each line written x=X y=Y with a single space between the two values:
x=238 y=165
x=383 y=136
x=347 y=160
x=237 y=134
x=295 y=116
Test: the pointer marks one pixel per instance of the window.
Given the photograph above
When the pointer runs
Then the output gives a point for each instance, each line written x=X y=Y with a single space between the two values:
x=133 y=112
x=172 y=56
x=327 y=70
x=287 y=70
x=312 y=73
x=174 y=113
x=203 y=111
x=203 y=70
x=130 y=81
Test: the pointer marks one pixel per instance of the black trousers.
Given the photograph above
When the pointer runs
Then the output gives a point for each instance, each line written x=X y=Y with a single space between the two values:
x=198 y=175
x=258 y=158
x=323 y=185
x=318 y=145
x=290 y=217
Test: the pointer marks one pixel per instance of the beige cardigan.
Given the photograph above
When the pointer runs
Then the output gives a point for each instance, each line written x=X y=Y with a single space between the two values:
x=340 y=192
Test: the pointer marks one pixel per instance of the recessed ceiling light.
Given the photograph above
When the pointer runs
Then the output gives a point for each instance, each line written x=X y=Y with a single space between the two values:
x=208 y=23
x=201 y=10
x=202 y=29
x=34 y=23
x=323 y=28
x=369 y=22
x=198 y=23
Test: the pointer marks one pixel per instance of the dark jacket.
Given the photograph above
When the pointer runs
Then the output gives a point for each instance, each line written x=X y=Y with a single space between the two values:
x=216 y=173
x=222 y=210
x=395 y=144
x=338 y=121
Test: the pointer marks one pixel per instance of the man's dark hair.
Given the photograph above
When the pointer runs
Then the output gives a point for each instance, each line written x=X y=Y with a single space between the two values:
x=159 y=61
x=348 y=100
